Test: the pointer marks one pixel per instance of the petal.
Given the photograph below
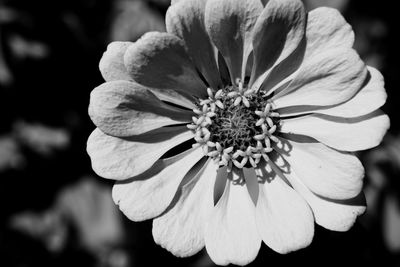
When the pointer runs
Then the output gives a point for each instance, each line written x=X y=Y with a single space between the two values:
x=325 y=79
x=333 y=215
x=122 y=108
x=186 y=20
x=251 y=183
x=325 y=171
x=327 y=29
x=229 y=24
x=175 y=97
x=284 y=219
x=371 y=97
x=149 y=194
x=231 y=234
x=348 y=134
x=159 y=61
x=112 y=65
x=122 y=158
x=277 y=39
x=181 y=229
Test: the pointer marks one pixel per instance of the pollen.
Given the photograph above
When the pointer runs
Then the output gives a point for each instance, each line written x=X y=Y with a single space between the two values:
x=235 y=126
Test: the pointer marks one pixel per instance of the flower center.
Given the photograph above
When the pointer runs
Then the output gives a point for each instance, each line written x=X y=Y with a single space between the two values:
x=235 y=126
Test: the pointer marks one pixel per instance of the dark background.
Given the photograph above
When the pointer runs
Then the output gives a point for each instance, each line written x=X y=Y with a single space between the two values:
x=54 y=210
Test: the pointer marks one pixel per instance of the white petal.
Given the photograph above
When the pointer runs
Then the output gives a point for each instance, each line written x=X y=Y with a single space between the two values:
x=277 y=40
x=149 y=194
x=371 y=97
x=333 y=215
x=368 y=99
x=325 y=79
x=325 y=171
x=229 y=24
x=181 y=229
x=231 y=234
x=348 y=134
x=112 y=65
x=122 y=108
x=117 y=158
x=284 y=219
x=186 y=20
x=327 y=29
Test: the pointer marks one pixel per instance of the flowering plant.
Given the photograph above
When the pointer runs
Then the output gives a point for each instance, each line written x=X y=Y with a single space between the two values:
x=267 y=103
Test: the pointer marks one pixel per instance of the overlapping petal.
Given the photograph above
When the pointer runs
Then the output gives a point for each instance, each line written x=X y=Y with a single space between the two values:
x=325 y=79
x=112 y=68
x=149 y=194
x=186 y=20
x=251 y=179
x=112 y=65
x=229 y=24
x=371 y=97
x=181 y=229
x=160 y=61
x=284 y=219
x=231 y=234
x=326 y=30
x=122 y=108
x=368 y=99
x=326 y=172
x=122 y=158
x=278 y=41
x=333 y=215
x=348 y=134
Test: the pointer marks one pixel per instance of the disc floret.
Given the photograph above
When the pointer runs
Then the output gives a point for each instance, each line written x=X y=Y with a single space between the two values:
x=235 y=126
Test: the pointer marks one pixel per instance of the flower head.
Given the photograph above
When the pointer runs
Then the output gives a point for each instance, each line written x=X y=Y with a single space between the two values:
x=266 y=102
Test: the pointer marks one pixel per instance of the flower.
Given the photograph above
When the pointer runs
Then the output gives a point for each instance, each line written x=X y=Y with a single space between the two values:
x=274 y=102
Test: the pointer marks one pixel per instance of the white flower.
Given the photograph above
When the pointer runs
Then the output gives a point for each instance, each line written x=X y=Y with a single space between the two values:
x=274 y=102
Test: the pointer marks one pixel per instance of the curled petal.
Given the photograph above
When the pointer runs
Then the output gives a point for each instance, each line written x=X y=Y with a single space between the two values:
x=333 y=215
x=325 y=79
x=284 y=219
x=325 y=171
x=368 y=99
x=348 y=134
x=149 y=194
x=181 y=229
x=122 y=108
x=371 y=97
x=277 y=38
x=122 y=158
x=229 y=24
x=231 y=234
x=159 y=61
x=327 y=29
x=186 y=20
x=112 y=65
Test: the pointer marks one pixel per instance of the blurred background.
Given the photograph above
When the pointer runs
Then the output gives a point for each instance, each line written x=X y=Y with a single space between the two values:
x=56 y=212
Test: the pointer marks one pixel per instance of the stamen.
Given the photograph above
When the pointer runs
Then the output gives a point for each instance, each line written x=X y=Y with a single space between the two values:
x=235 y=126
